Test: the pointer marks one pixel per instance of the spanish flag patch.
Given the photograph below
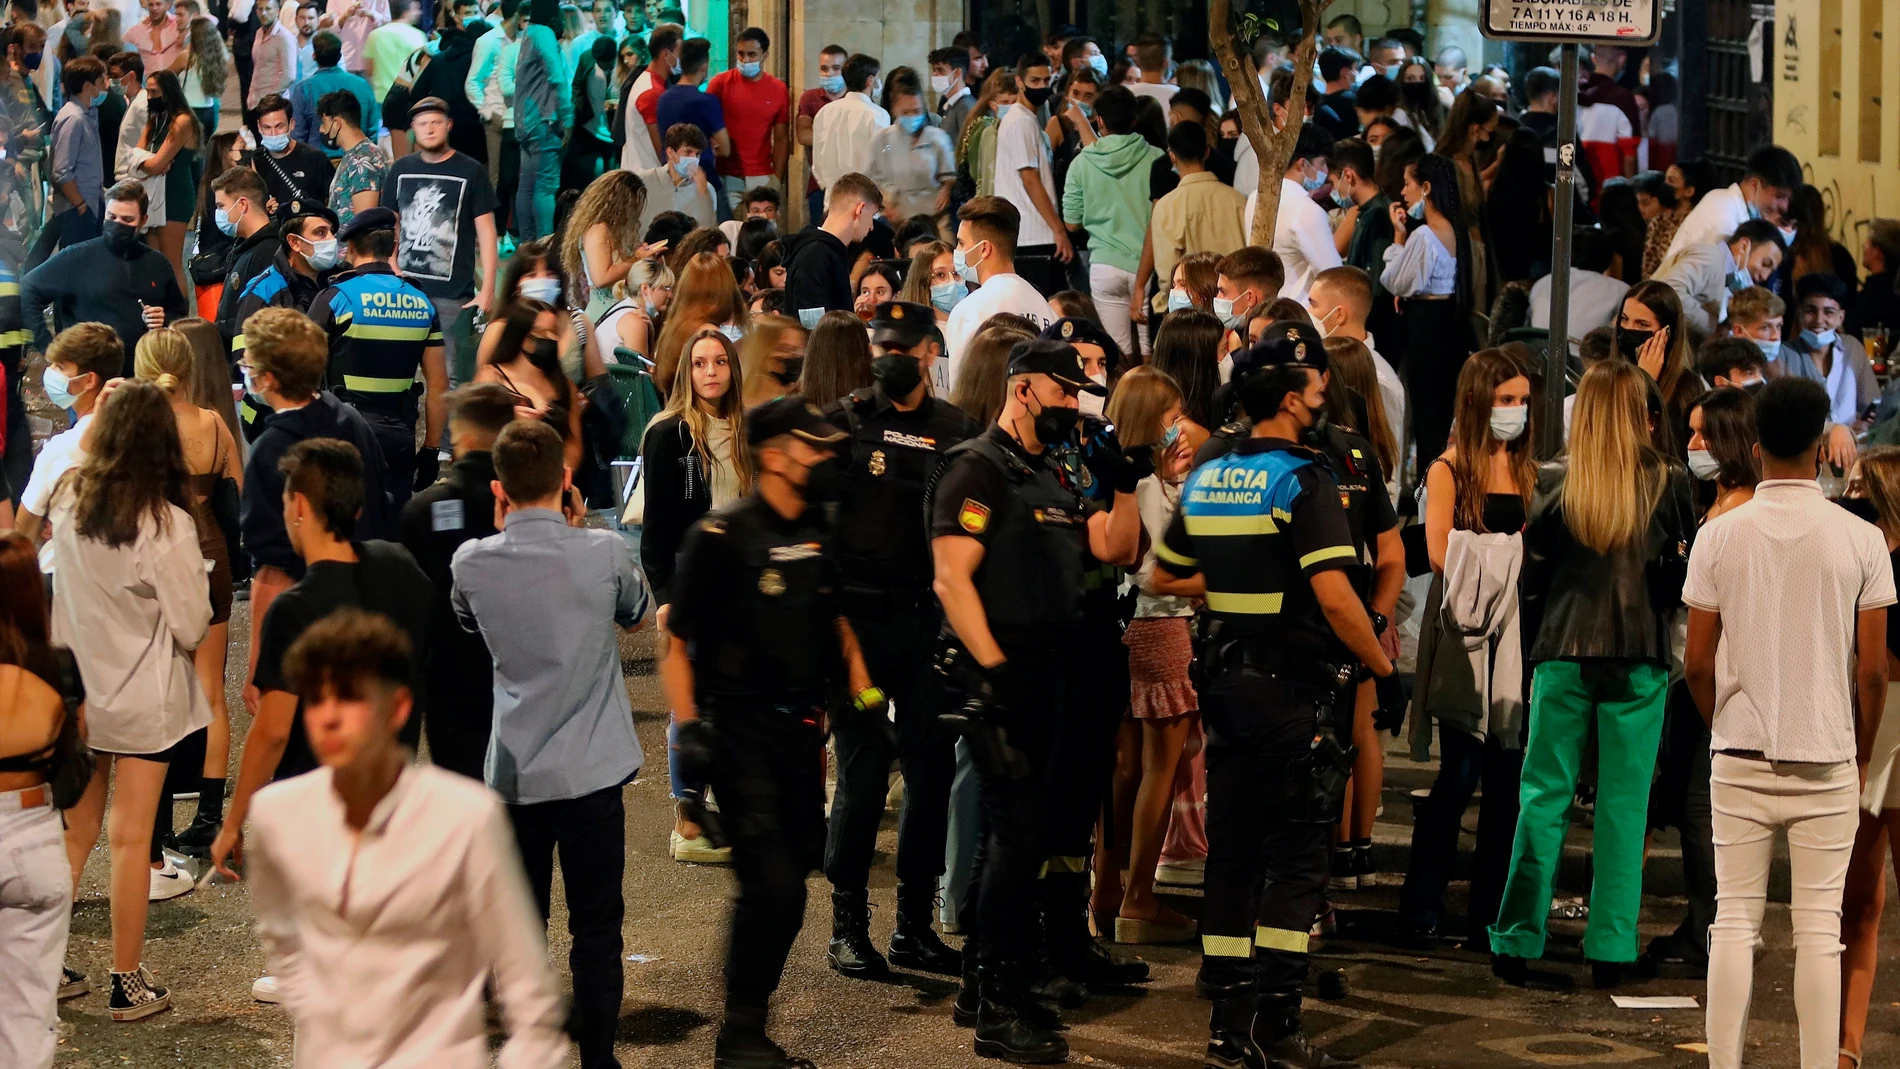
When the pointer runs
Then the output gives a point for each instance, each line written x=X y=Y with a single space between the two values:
x=974 y=516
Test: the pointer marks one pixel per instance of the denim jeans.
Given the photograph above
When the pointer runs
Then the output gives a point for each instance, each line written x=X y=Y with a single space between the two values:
x=540 y=183
x=36 y=892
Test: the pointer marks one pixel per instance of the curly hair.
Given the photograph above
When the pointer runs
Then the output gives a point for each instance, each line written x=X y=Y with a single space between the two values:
x=208 y=56
x=616 y=200
x=135 y=467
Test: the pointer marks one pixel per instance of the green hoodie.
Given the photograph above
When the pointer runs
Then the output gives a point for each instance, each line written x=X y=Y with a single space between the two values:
x=1107 y=194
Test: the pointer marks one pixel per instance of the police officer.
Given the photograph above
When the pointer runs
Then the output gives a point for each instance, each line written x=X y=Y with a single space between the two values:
x=1009 y=535
x=761 y=641
x=897 y=436
x=298 y=271
x=382 y=331
x=1263 y=536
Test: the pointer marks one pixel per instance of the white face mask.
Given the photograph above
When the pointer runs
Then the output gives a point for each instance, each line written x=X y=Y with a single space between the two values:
x=940 y=84
x=1507 y=424
x=1703 y=465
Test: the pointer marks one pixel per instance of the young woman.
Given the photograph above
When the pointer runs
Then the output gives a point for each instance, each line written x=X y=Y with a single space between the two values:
x=1649 y=334
x=1352 y=367
x=1517 y=211
x=535 y=273
x=173 y=135
x=167 y=359
x=132 y=602
x=1187 y=349
x=932 y=281
x=209 y=384
x=772 y=355
x=201 y=73
x=633 y=322
x=525 y=357
x=1481 y=483
x=1196 y=282
x=1428 y=267
x=694 y=459
x=876 y=286
x=837 y=360
x=1813 y=250
x=1468 y=130
x=1418 y=88
x=706 y=295
x=976 y=154
x=984 y=369
x=607 y=218
x=225 y=151
x=1162 y=706
x=1662 y=216
x=1597 y=637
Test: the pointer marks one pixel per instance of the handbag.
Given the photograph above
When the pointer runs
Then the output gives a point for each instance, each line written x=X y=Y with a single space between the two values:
x=70 y=768
x=225 y=503
x=1668 y=570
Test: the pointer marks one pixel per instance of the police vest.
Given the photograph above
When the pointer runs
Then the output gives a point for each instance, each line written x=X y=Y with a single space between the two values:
x=787 y=644
x=1031 y=576
x=379 y=327
x=883 y=537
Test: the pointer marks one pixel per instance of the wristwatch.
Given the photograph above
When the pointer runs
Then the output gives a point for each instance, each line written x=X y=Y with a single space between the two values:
x=1380 y=623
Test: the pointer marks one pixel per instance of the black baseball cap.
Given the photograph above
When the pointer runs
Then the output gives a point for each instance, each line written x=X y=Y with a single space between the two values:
x=1056 y=359
x=902 y=323
x=305 y=209
x=1288 y=341
x=1074 y=329
x=367 y=220
x=428 y=104
x=789 y=415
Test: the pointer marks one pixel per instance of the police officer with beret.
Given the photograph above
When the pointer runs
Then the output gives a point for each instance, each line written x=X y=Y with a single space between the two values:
x=897 y=435
x=1263 y=537
x=1010 y=535
x=382 y=331
x=300 y=269
x=761 y=641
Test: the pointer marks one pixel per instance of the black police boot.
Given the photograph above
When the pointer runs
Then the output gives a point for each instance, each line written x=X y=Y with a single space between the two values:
x=969 y=996
x=1046 y=982
x=1077 y=954
x=915 y=944
x=1006 y=1027
x=851 y=951
x=743 y=1044
x=1276 y=1032
x=1230 y=1042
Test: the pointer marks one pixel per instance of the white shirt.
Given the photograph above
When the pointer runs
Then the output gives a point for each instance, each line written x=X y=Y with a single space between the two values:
x=1713 y=220
x=1246 y=167
x=1161 y=92
x=637 y=154
x=1594 y=302
x=1392 y=393
x=1002 y=293
x=1843 y=391
x=59 y=455
x=1788 y=571
x=1020 y=143
x=1302 y=238
x=1699 y=274
x=841 y=138
x=383 y=939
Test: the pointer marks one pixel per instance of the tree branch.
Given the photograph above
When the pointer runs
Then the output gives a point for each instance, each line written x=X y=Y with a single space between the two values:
x=1273 y=148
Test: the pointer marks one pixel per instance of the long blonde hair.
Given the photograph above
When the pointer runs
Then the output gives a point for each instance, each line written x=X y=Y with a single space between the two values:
x=756 y=350
x=615 y=200
x=1615 y=476
x=681 y=402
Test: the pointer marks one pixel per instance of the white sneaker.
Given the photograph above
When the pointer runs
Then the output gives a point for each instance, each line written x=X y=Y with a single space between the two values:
x=1181 y=873
x=264 y=989
x=168 y=882
x=699 y=851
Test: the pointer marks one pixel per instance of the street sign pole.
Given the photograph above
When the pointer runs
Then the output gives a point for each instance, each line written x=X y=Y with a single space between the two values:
x=1557 y=346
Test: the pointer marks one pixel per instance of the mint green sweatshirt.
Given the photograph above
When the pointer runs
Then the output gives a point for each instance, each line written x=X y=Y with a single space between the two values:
x=1107 y=194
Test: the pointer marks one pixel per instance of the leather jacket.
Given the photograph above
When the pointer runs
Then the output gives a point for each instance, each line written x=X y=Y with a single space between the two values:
x=1578 y=603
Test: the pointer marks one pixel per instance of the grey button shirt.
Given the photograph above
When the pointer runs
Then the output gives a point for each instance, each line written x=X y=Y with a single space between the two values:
x=76 y=156
x=546 y=598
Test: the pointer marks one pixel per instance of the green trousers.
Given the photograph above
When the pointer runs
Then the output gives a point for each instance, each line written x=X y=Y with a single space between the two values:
x=1624 y=700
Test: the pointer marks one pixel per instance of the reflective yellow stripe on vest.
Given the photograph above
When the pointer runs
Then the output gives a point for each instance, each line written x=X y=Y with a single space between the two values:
x=1244 y=604
x=1218 y=526
x=378 y=332
x=368 y=384
x=1163 y=551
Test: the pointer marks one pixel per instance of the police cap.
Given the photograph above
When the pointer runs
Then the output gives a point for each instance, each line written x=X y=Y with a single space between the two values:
x=1075 y=329
x=1287 y=342
x=428 y=104
x=306 y=209
x=1056 y=359
x=902 y=323
x=789 y=415
x=367 y=221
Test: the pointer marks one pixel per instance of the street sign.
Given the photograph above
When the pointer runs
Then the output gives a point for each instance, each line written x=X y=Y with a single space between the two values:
x=1606 y=22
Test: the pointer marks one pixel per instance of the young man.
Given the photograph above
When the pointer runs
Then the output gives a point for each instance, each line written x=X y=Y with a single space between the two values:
x=388 y=47
x=1730 y=361
x=158 y=36
x=1365 y=227
x=1704 y=276
x=1200 y=214
x=1249 y=280
x=1822 y=353
x=685 y=102
x=754 y=623
x=360 y=170
x=830 y=88
x=447 y=208
x=679 y=184
x=818 y=261
x=306 y=97
x=436 y=891
x=1339 y=301
x=1595 y=298
x=913 y=162
x=986 y=255
x=1025 y=179
x=841 y=132
x=1347 y=33
x=1772 y=175
x=1792 y=704
x=491 y=88
x=273 y=62
x=544 y=112
x=1450 y=67
x=305 y=260
x=115 y=279
x=1106 y=196
x=126 y=72
x=1337 y=70
x=563 y=743
x=758 y=118
x=1302 y=235
x=79 y=362
x=78 y=170
x=296 y=175
x=950 y=80
x=972 y=44
x=643 y=98
x=1154 y=55
x=306 y=38
x=1755 y=315
x=238 y=197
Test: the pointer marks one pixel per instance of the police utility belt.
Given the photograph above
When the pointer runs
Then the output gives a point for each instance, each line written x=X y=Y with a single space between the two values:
x=1315 y=785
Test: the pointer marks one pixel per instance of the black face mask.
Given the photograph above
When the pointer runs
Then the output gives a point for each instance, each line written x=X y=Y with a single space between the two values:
x=328 y=140
x=825 y=482
x=1321 y=417
x=1861 y=507
x=120 y=237
x=1755 y=388
x=1036 y=97
x=546 y=350
x=1630 y=342
x=1057 y=425
x=789 y=369
x=897 y=374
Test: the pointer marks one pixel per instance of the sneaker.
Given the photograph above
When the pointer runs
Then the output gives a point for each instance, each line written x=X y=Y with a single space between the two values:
x=265 y=989
x=1181 y=873
x=1362 y=869
x=136 y=995
x=699 y=851
x=72 y=983
x=168 y=883
x=1342 y=878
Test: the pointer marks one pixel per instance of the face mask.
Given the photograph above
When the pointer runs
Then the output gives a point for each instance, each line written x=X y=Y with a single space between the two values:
x=965 y=268
x=1507 y=424
x=1739 y=280
x=911 y=124
x=329 y=140
x=226 y=225
x=945 y=295
x=676 y=68
x=1753 y=212
x=832 y=85
x=1057 y=425
x=545 y=290
x=1788 y=236
x=1224 y=308
x=1818 y=339
x=1179 y=301
x=731 y=331
x=120 y=237
x=1703 y=465
x=1342 y=198
x=1037 y=97
x=685 y=166
x=98 y=98
x=1375 y=152
x=940 y=84
x=58 y=388
x=790 y=368
x=1090 y=405
x=1769 y=348
x=276 y=142
x=897 y=374
x=31 y=61
x=825 y=481
x=1630 y=342
x=250 y=382
x=1861 y=508
x=1417 y=211
x=546 y=351
x=1099 y=64
x=1313 y=182
x=1318 y=413
x=751 y=70
x=1087 y=111
x=1169 y=436
x=1319 y=324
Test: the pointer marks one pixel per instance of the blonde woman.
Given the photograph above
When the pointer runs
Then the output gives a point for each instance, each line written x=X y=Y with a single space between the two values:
x=166 y=358
x=210 y=379
x=773 y=356
x=706 y=295
x=1597 y=627
x=607 y=217
x=984 y=368
x=694 y=460
x=633 y=322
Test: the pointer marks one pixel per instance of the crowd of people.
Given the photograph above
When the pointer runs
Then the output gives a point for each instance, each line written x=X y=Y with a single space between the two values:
x=477 y=300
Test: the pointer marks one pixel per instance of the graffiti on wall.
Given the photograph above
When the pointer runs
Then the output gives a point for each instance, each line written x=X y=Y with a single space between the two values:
x=1848 y=217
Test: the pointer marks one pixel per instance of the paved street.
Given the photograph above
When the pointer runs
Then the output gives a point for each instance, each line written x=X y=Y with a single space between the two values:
x=1403 y=1010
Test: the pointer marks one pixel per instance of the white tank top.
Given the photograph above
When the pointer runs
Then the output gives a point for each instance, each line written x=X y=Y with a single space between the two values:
x=607 y=329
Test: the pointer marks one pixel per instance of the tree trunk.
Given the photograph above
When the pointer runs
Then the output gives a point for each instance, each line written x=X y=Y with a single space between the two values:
x=1272 y=148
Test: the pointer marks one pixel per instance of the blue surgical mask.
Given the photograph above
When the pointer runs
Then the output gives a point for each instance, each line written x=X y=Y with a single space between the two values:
x=1703 y=465
x=686 y=165
x=98 y=98
x=965 y=268
x=1099 y=64
x=226 y=225
x=1818 y=339
x=1169 y=436
x=545 y=290
x=1313 y=182
x=676 y=68
x=1179 y=301
x=732 y=331
x=1224 y=309
x=1770 y=348
x=1753 y=212
x=275 y=142
x=1342 y=198
x=1508 y=423
x=1417 y=211
x=324 y=254
x=58 y=388
x=832 y=85
x=945 y=295
x=751 y=70
x=1739 y=280
x=911 y=124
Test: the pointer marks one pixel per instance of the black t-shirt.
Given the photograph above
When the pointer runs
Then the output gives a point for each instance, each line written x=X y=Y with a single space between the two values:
x=439 y=203
x=299 y=179
x=972 y=489
x=817 y=276
x=384 y=579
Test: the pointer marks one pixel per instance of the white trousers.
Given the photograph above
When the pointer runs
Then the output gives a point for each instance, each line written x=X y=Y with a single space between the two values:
x=36 y=900
x=1816 y=804
x=1111 y=287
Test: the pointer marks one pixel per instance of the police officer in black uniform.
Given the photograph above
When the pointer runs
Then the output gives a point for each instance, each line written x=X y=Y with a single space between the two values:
x=761 y=641
x=1263 y=536
x=898 y=435
x=1010 y=534
x=382 y=331
x=299 y=268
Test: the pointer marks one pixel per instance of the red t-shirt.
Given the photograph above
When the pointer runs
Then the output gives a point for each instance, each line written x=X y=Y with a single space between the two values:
x=808 y=104
x=752 y=110
x=649 y=106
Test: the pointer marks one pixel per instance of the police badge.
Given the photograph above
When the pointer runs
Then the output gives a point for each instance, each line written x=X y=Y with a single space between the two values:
x=771 y=583
x=876 y=464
